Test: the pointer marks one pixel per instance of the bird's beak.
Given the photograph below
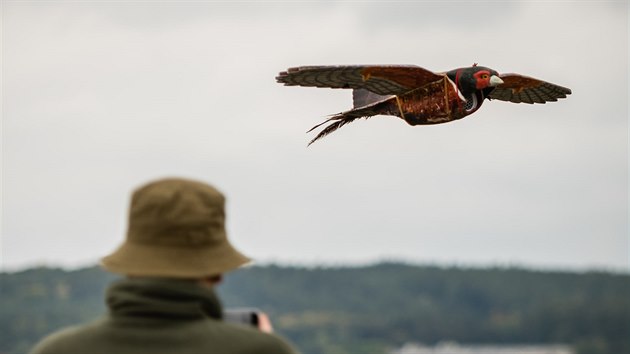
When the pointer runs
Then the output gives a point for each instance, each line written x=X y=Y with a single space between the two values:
x=495 y=81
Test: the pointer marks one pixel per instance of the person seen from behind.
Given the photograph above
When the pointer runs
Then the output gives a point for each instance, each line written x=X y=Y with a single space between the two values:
x=175 y=252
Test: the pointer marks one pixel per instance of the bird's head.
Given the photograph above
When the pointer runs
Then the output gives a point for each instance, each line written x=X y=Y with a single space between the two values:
x=474 y=78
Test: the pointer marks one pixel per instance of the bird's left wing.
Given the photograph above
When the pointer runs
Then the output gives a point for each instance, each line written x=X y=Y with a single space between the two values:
x=380 y=79
x=523 y=89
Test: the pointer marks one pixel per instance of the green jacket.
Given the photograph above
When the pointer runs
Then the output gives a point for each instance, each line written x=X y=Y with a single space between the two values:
x=154 y=316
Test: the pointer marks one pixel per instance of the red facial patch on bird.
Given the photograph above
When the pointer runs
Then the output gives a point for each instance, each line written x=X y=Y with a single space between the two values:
x=482 y=79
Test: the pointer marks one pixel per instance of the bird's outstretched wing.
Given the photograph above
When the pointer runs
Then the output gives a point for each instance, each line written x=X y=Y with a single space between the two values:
x=380 y=79
x=522 y=89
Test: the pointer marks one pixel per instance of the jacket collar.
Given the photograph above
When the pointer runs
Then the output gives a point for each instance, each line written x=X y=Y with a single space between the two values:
x=162 y=298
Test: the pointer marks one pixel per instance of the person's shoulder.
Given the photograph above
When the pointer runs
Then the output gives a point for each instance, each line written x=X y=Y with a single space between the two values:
x=255 y=341
x=55 y=342
x=64 y=340
x=274 y=344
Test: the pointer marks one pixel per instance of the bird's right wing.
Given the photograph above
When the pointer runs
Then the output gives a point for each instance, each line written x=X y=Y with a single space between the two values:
x=380 y=79
x=524 y=89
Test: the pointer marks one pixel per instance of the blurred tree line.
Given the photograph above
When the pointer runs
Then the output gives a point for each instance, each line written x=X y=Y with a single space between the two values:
x=363 y=309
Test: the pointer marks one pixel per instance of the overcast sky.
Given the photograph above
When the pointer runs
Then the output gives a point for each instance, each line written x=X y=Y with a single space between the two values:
x=100 y=97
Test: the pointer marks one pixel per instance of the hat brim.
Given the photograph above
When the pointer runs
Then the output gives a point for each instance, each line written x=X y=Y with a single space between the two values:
x=137 y=259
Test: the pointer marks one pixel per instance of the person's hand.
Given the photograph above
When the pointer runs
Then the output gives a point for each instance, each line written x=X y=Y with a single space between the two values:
x=264 y=324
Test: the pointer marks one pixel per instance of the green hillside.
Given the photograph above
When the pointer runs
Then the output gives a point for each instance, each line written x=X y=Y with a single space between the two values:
x=364 y=309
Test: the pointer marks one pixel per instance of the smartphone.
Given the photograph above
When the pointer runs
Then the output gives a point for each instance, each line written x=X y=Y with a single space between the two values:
x=248 y=316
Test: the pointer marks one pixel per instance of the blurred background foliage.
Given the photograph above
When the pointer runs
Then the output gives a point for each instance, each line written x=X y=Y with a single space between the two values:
x=369 y=309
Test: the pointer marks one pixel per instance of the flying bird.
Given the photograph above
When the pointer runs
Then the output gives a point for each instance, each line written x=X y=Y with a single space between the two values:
x=417 y=95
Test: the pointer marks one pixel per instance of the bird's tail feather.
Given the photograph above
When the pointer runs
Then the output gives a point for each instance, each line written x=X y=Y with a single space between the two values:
x=343 y=118
x=340 y=121
x=333 y=117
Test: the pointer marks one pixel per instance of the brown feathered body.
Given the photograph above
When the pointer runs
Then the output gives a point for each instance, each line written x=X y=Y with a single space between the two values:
x=434 y=103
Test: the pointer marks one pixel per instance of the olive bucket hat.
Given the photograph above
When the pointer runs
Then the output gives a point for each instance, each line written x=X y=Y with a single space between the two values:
x=176 y=229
